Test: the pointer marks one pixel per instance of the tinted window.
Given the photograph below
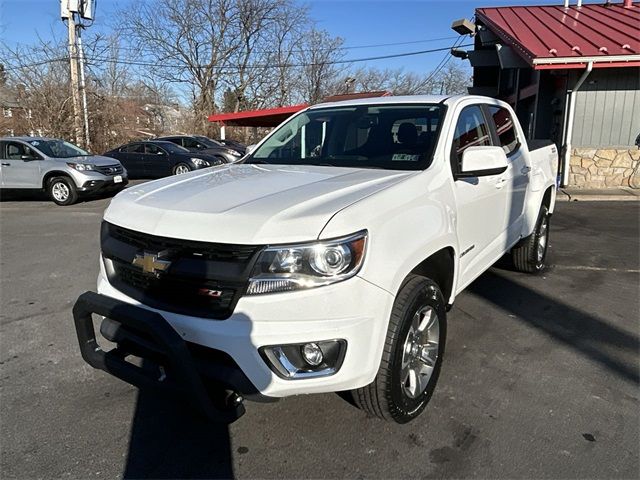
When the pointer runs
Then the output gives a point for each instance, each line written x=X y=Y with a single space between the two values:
x=471 y=131
x=505 y=128
x=190 y=143
x=152 y=149
x=133 y=148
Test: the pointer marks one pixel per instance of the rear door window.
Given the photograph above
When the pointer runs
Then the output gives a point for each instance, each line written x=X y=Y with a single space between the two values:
x=505 y=128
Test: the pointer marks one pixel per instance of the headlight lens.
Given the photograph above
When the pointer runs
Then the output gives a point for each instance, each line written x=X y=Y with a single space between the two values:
x=297 y=267
x=198 y=162
x=81 y=167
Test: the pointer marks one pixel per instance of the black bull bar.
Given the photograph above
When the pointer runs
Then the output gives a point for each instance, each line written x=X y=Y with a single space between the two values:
x=147 y=335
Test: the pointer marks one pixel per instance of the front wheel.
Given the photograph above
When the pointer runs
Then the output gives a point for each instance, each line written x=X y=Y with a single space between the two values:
x=412 y=355
x=530 y=253
x=62 y=191
x=181 y=168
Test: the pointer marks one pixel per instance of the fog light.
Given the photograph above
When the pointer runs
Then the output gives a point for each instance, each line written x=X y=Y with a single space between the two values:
x=305 y=360
x=312 y=354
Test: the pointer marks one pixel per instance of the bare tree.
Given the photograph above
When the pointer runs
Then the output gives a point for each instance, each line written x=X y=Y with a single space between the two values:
x=318 y=57
x=454 y=78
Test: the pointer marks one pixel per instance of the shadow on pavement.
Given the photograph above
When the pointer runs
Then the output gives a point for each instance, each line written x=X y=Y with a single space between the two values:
x=168 y=440
x=594 y=338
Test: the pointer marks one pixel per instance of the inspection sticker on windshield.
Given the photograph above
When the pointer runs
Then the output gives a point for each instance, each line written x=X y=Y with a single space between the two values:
x=405 y=157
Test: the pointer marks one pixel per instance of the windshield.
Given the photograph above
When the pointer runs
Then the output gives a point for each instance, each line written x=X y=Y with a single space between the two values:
x=58 y=148
x=206 y=141
x=393 y=137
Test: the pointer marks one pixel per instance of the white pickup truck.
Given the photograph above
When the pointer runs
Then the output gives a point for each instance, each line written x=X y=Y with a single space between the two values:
x=325 y=261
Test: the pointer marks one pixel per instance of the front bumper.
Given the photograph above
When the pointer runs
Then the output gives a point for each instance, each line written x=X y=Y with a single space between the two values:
x=107 y=184
x=354 y=310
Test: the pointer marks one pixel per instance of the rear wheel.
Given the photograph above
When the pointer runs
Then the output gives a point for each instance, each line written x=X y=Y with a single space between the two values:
x=181 y=168
x=412 y=355
x=530 y=253
x=62 y=191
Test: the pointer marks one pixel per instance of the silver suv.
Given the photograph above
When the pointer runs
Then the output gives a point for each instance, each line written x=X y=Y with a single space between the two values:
x=60 y=168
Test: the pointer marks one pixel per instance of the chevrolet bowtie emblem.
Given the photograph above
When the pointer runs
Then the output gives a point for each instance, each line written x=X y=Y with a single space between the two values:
x=151 y=262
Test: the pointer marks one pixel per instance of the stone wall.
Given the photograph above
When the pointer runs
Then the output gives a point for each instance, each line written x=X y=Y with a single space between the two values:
x=602 y=168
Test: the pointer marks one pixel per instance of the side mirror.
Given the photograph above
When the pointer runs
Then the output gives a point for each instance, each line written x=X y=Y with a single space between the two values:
x=482 y=162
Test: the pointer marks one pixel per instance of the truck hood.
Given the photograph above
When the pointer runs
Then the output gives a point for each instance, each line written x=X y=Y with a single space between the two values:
x=247 y=204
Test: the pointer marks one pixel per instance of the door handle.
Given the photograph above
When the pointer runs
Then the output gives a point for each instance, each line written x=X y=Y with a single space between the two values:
x=6 y=164
x=526 y=169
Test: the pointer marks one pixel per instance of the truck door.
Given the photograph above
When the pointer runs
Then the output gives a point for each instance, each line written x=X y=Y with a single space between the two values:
x=517 y=174
x=21 y=166
x=481 y=201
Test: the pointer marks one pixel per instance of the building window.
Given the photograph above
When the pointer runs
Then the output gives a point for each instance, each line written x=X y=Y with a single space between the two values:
x=7 y=113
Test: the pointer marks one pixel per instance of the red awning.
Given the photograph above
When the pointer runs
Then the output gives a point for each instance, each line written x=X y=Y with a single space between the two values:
x=270 y=117
x=556 y=37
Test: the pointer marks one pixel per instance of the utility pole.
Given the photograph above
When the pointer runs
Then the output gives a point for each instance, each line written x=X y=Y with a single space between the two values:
x=83 y=91
x=75 y=92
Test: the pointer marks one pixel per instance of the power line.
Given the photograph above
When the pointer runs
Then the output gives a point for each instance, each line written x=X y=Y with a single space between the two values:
x=282 y=65
x=263 y=66
x=348 y=47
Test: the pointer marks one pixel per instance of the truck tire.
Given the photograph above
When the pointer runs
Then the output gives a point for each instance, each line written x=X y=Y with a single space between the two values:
x=412 y=355
x=530 y=253
x=62 y=191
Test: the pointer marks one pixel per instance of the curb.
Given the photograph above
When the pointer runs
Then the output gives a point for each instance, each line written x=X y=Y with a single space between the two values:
x=564 y=196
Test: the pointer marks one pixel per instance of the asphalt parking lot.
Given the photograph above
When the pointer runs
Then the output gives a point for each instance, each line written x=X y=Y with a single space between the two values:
x=540 y=380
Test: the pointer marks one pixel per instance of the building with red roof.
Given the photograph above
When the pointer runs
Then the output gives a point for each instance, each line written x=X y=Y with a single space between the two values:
x=572 y=73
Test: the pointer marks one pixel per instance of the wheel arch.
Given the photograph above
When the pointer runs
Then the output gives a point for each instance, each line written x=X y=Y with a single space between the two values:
x=54 y=173
x=548 y=199
x=439 y=267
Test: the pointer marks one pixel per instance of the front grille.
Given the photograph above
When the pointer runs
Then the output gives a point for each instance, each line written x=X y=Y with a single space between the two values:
x=115 y=169
x=204 y=279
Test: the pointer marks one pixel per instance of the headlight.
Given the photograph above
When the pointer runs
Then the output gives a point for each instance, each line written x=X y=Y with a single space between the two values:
x=234 y=153
x=296 y=267
x=81 y=167
x=198 y=162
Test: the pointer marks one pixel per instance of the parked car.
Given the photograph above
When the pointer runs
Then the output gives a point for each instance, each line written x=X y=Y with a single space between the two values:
x=201 y=144
x=63 y=170
x=237 y=146
x=156 y=159
x=326 y=261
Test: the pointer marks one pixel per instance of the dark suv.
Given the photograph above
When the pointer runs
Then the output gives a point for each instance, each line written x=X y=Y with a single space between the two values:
x=201 y=144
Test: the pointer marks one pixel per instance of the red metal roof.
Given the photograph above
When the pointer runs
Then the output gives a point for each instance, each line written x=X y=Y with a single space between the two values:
x=552 y=36
x=270 y=117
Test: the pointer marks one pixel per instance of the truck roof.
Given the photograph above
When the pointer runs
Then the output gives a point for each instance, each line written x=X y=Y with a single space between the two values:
x=402 y=99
